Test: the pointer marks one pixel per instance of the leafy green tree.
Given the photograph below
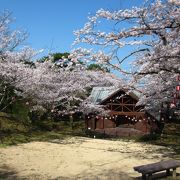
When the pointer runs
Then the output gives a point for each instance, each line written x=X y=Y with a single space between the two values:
x=55 y=57
x=97 y=67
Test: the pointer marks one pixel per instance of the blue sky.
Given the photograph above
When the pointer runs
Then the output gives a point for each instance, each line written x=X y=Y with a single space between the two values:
x=50 y=24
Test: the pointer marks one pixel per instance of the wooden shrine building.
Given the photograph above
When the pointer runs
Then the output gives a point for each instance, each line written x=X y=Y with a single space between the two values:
x=124 y=117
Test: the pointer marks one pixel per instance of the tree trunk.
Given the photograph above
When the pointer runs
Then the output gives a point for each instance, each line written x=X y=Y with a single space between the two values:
x=71 y=121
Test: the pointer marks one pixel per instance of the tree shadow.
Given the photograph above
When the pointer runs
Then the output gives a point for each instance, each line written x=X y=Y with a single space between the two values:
x=94 y=173
x=98 y=175
x=161 y=176
x=8 y=173
x=67 y=141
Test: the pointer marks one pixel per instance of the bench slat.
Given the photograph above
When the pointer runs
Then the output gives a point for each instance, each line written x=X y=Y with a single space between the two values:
x=156 y=167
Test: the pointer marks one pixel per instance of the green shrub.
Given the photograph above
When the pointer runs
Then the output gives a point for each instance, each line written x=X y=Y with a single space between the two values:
x=20 y=111
x=148 y=137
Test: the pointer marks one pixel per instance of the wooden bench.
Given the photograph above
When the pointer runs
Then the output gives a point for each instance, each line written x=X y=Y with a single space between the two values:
x=148 y=169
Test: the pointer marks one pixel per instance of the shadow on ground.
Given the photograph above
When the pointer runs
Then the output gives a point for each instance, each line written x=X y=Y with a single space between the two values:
x=162 y=176
x=105 y=174
x=7 y=173
x=113 y=174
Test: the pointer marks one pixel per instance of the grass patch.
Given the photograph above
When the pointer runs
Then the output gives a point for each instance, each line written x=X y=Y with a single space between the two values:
x=18 y=138
x=172 y=141
x=13 y=131
x=148 y=138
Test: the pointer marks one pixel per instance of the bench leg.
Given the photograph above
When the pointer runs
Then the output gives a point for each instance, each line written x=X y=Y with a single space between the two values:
x=149 y=176
x=174 y=173
x=168 y=172
x=144 y=176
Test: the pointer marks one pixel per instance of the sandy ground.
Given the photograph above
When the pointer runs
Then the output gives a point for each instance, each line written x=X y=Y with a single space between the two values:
x=78 y=158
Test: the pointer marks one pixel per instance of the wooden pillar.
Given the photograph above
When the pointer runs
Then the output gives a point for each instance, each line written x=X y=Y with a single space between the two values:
x=94 y=123
x=103 y=122
x=86 y=122
x=114 y=123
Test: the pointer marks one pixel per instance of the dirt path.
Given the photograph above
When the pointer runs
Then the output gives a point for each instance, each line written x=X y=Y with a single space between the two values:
x=78 y=158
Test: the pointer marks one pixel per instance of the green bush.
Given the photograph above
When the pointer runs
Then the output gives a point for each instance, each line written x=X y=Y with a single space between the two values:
x=148 y=137
x=20 y=111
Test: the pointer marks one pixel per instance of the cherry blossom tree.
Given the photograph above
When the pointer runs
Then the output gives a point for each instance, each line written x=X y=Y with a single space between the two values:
x=11 y=59
x=150 y=36
x=45 y=83
x=54 y=86
x=49 y=85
